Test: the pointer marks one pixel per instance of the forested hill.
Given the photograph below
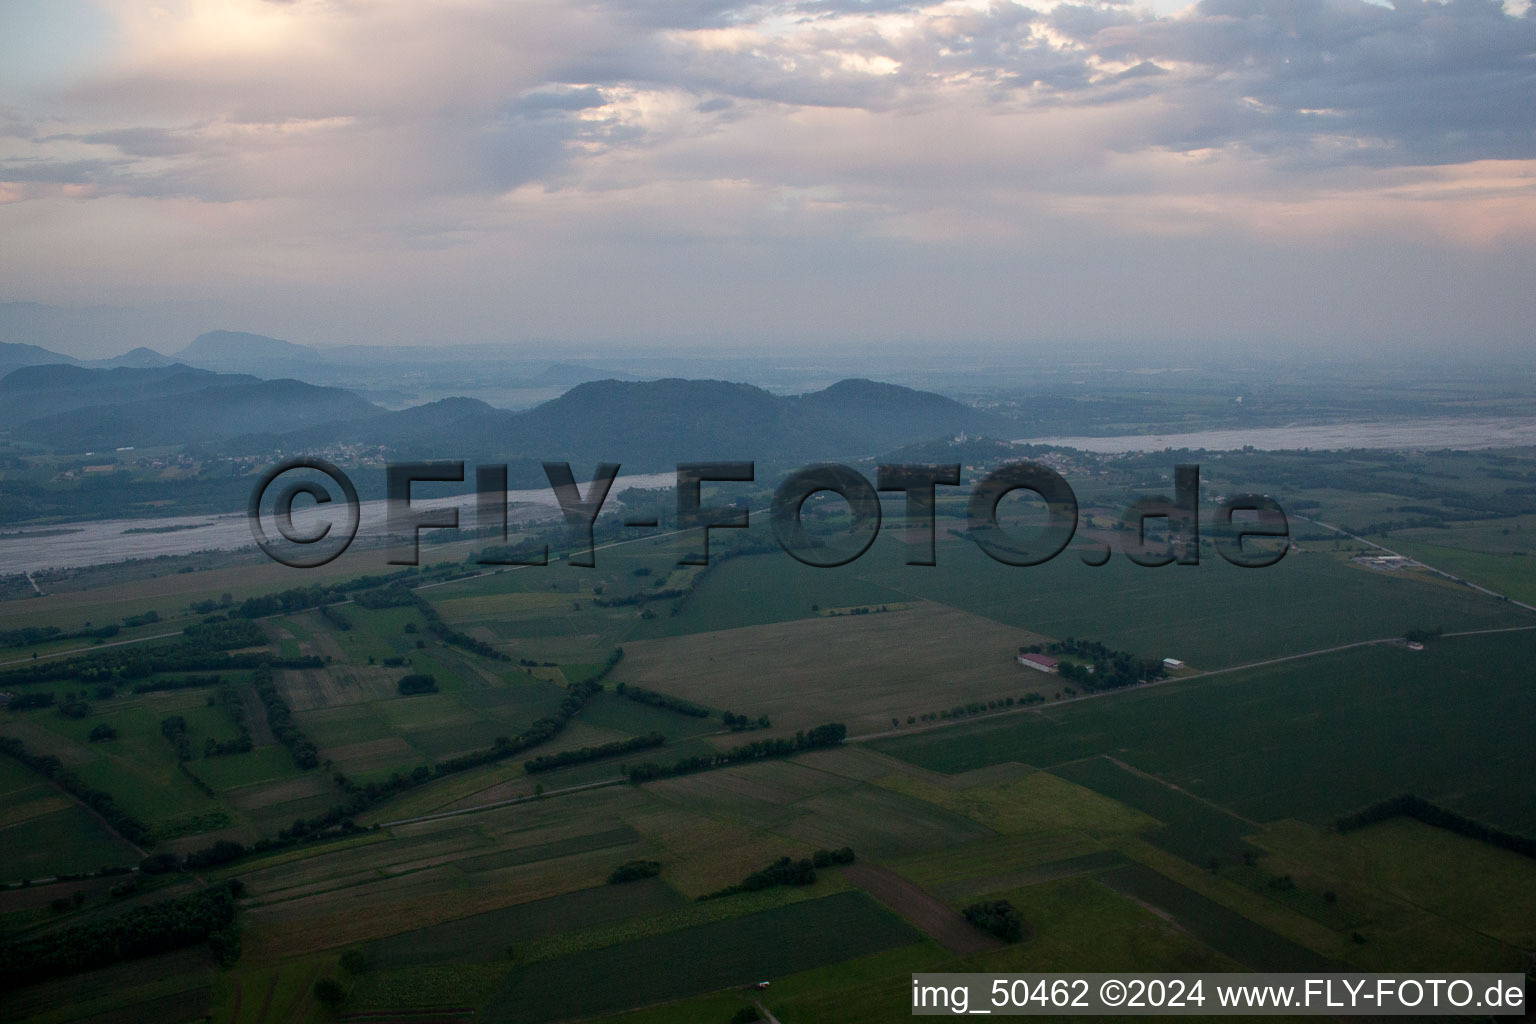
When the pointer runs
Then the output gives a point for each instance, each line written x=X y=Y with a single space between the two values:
x=655 y=424
x=74 y=408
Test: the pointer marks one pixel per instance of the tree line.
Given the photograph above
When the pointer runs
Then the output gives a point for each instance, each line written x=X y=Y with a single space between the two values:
x=280 y=719
x=50 y=767
x=549 y=762
x=828 y=735
x=785 y=871
x=30 y=636
x=641 y=695
x=192 y=682
x=1416 y=807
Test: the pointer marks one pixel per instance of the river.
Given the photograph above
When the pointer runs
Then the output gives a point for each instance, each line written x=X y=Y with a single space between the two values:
x=30 y=549
x=1459 y=434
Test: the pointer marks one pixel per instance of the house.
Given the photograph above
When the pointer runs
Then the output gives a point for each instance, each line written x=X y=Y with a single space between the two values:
x=1038 y=661
x=1172 y=664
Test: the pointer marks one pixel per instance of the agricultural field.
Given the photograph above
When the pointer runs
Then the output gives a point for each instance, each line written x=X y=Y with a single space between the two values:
x=407 y=855
x=868 y=669
x=1254 y=741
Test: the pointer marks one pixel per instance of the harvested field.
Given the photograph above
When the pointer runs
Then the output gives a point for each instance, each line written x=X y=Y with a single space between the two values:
x=967 y=889
x=350 y=916
x=938 y=920
x=880 y=823
x=336 y=685
x=268 y=794
x=861 y=670
x=371 y=755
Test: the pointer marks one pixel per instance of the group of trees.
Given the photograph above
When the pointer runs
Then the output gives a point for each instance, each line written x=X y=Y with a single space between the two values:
x=785 y=871
x=548 y=762
x=25 y=701
x=396 y=595
x=332 y=614
x=174 y=729
x=741 y=723
x=204 y=916
x=229 y=698
x=417 y=682
x=1103 y=667
x=999 y=917
x=224 y=636
x=634 y=870
x=828 y=735
x=643 y=596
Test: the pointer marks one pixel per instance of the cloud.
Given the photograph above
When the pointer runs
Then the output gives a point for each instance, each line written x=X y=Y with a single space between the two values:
x=279 y=141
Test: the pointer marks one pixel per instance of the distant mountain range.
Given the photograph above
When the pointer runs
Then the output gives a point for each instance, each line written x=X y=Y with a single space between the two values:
x=646 y=425
x=650 y=425
x=77 y=408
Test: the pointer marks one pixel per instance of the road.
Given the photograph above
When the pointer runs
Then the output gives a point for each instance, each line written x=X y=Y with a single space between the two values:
x=477 y=808
x=1423 y=565
x=87 y=650
x=1106 y=694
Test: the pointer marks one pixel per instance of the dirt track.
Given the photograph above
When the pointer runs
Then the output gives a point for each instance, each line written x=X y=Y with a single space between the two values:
x=928 y=912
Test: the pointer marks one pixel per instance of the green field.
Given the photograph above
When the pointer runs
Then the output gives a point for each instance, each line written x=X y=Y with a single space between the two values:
x=1308 y=739
x=488 y=937
x=737 y=952
x=1193 y=829
x=67 y=840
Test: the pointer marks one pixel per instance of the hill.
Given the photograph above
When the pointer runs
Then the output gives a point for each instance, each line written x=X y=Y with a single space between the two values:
x=652 y=425
x=241 y=352
x=185 y=406
x=138 y=357
x=45 y=391
x=14 y=355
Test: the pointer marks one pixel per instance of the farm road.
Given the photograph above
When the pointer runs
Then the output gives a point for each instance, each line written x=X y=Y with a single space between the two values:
x=928 y=912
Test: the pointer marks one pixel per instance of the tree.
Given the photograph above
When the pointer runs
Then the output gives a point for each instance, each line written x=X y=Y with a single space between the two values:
x=999 y=917
x=330 y=994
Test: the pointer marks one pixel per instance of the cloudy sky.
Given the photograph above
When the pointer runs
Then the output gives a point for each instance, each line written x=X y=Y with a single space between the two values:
x=849 y=172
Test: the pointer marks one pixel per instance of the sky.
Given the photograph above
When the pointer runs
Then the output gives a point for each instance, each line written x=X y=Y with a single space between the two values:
x=1237 y=174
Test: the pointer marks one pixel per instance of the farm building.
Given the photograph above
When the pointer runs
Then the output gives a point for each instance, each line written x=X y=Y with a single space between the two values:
x=1172 y=664
x=1038 y=661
